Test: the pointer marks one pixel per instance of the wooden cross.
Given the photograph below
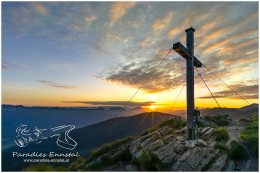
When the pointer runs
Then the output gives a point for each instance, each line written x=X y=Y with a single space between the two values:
x=191 y=60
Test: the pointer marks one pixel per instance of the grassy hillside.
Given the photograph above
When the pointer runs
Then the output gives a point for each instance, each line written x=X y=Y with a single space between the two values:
x=251 y=134
x=148 y=161
x=89 y=137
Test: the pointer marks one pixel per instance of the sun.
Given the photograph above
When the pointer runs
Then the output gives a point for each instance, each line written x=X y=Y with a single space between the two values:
x=152 y=107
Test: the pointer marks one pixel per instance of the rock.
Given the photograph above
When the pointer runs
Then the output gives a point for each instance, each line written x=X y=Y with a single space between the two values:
x=96 y=161
x=135 y=146
x=219 y=163
x=180 y=148
x=174 y=143
x=208 y=133
x=203 y=143
x=138 y=154
x=119 y=152
x=123 y=147
x=176 y=165
x=206 y=156
x=185 y=156
x=178 y=131
x=146 y=142
x=192 y=143
x=245 y=166
x=169 y=138
x=181 y=138
x=244 y=119
x=250 y=166
x=164 y=130
x=165 y=153
x=131 y=168
x=230 y=141
x=204 y=130
x=143 y=138
x=178 y=118
x=144 y=133
x=207 y=123
x=169 y=158
x=230 y=166
x=199 y=129
x=205 y=116
x=155 y=145
x=191 y=163
x=211 y=143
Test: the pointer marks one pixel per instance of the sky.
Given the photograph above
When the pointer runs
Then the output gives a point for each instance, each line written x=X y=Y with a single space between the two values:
x=99 y=53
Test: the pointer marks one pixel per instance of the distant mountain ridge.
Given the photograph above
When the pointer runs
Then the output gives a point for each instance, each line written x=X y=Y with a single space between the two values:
x=90 y=137
x=234 y=113
x=94 y=135
x=49 y=117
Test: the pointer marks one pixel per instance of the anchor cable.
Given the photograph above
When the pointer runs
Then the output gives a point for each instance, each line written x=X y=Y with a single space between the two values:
x=122 y=108
x=227 y=119
x=229 y=87
x=143 y=83
x=176 y=99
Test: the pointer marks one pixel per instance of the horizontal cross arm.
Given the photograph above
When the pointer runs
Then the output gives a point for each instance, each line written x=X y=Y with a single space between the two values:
x=181 y=50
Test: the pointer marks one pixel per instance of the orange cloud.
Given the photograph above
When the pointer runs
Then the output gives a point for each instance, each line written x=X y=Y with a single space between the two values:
x=230 y=39
x=160 y=23
x=90 y=19
x=229 y=28
x=58 y=85
x=237 y=46
x=118 y=10
x=244 y=69
x=250 y=57
x=175 y=31
x=144 y=42
x=39 y=8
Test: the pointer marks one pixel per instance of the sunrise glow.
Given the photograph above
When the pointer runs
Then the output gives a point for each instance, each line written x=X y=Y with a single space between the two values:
x=102 y=52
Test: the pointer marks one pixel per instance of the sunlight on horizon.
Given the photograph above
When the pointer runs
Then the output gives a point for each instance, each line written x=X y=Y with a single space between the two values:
x=104 y=51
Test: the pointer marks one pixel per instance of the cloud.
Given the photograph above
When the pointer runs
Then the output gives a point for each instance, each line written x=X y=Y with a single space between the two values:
x=39 y=8
x=230 y=40
x=21 y=19
x=58 y=85
x=175 y=31
x=113 y=103
x=244 y=69
x=5 y=67
x=145 y=41
x=8 y=65
x=134 y=75
x=118 y=10
x=225 y=41
x=246 y=91
x=64 y=35
x=90 y=18
x=161 y=23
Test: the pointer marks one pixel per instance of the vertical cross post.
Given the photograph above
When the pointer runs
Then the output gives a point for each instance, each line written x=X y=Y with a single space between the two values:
x=190 y=84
